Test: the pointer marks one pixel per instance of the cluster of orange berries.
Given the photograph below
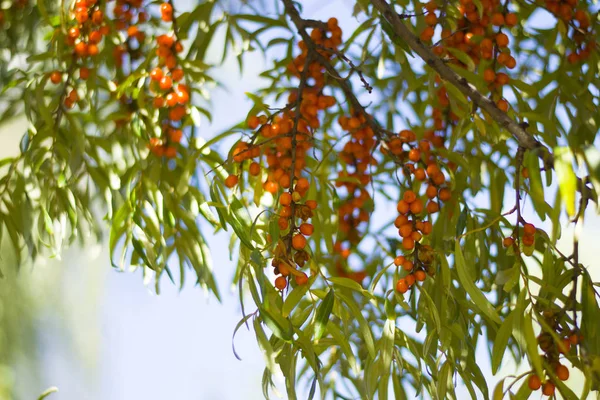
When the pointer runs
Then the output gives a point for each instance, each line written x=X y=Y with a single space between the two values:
x=552 y=352
x=129 y=15
x=357 y=155
x=528 y=238
x=476 y=36
x=567 y=11
x=171 y=94
x=421 y=167
x=84 y=37
x=286 y=138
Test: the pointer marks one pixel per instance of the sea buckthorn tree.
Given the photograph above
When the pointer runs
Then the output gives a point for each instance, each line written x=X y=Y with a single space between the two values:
x=394 y=197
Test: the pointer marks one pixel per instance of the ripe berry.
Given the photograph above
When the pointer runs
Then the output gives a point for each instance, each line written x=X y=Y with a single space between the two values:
x=166 y=83
x=529 y=229
x=312 y=204
x=534 y=382
x=548 y=388
x=409 y=196
x=307 y=229
x=507 y=242
x=420 y=275
x=84 y=73
x=511 y=19
x=399 y=260
x=562 y=372
x=280 y=283
x=285 y=199
x=231 y=181
x=55 y=77
x=301 y=279
x=254 y=169
x=502 y=40
x=298 y=242
x=402 y=286
x=410 y=279
x=503 y=105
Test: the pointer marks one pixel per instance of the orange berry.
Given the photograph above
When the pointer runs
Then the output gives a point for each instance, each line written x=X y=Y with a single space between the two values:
x=562 y=372
x=156 y=74
x=445 y=194
x=534 y=382
x=431 y=191
x=528 y=240
x=403 y=207
x=254 y=169
x=574 y=339
x=285 y=199
x=511 y=19
x=416 y=207
x=402 y=286
x=502 y=78
x=564 y=346
x=507 y=242
x=283 y=223
x=431 y=19
x=166 y=83
x=414 y=155
x=312 y=204
x=298 y=242
x=253 y=122
x=420 y=275
x=408 y=243
x=410 y=279
x=74 y=32
x=405 y=230
x=231 y=181
x=489 y=75
x=170 y=152
x=175 y=135
x=420 y=174
x=497 y=19
x=307 y=229
x=81 y=49
x=55 y=77
x=301 y=279
x=398 y=261
x=427 y=34
x=409 y=196
x=432 y=207
x=416 y=236
x=302 y=185
x=502 y=40
x=427 y=228
x=280 y=283
x=502 y=105
x=548 y=388
x=529 y=229
x=407 y=265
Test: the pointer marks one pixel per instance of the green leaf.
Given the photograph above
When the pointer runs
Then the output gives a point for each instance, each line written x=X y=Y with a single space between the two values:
x=323 y=313
x=294 y=297
x=531 y=343
x=567 y=181
x=349 y=284
x=501 y=342
x=474 y=292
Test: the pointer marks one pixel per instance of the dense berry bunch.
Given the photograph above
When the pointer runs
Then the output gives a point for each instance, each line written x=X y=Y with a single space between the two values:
x=282 y=142
x=172 y=95
x=84 y=36
x=129 y=16
x=553 y=350
x=479 y=37
x=355 y=208
x=427 y=190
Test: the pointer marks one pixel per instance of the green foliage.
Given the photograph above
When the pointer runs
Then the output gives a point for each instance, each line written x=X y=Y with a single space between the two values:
x=96 y=165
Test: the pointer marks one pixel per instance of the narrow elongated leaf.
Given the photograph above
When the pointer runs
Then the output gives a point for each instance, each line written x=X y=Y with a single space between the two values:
x=477 y=296
x=323 y=313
